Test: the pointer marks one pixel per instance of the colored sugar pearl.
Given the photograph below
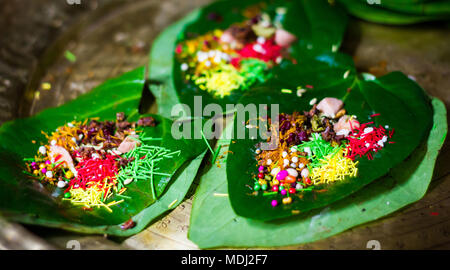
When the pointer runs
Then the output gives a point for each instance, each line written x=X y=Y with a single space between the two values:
x=283 y=192
x=305 y=173
x=281 y=187
x=44 y=170
x=264 y=186
x=287 y=200
x=49 y=174
x=184 y=67
x=292 y=191
x=261 y=168
x=275 y=171
x=292 y=172
x=308 y=181
x=67 y=195
x=61 y=184
x=298 y=186
x=42 y=150
x=257 y=187
x=179 y=49
x=260 y=175
x=282 y=175
x=290 y=179
x=275 y=188
x=69 y=174
x=48 y=162
x=274 y=203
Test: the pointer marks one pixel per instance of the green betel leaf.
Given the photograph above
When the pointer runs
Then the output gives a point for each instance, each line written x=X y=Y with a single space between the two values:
x=214 y=223
x=397 y=12
x=318 y=26
x=29 y=201
x=400 y=103
x=401 y=1
x=437 y=8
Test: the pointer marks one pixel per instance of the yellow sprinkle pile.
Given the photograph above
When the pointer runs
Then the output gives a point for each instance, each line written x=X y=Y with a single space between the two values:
x=91 y=197
x=221 y=80
x=335 y=168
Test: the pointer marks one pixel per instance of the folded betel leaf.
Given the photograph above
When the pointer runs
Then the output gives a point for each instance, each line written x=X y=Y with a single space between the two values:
x=220 y=51
x=94 y=164
x=398 y=12
x=440 y=8
x=329 y=141
x=212 y=213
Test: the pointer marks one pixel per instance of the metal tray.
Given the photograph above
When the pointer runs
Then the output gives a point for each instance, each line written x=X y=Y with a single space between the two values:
x=112 y=37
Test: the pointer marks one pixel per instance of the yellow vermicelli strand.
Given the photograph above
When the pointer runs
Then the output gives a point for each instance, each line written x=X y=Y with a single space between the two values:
x=92 y=197
x=334 y=168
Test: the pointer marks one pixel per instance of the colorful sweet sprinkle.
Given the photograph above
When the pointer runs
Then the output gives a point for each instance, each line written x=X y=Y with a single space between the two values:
x=317 y=147
x=222 y=61
x=93 y=161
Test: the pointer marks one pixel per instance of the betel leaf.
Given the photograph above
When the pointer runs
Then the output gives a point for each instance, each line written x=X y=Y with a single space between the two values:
x=318 y=25
x=214 y=223
x=160 y=68
x=401 y=1
x=431 y=8
x=26 y=200
x=437 y=8
x=361 y=98
x=396 y=13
